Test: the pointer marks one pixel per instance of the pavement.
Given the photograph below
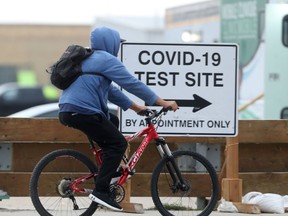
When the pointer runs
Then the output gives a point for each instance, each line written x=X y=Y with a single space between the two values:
x=22 y=206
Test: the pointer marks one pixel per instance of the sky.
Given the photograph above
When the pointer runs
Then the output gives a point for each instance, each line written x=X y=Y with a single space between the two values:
x=80 y=11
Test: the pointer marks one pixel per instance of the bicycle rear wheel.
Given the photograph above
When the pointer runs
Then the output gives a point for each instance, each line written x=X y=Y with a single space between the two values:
x=199 y=183
x=49 y=184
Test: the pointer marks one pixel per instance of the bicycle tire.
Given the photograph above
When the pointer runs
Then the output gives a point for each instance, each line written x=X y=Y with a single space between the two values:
x=193 y=168
x=52 y=172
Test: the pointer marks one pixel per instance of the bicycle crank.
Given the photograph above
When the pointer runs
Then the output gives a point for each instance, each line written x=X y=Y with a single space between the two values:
x=117 y=192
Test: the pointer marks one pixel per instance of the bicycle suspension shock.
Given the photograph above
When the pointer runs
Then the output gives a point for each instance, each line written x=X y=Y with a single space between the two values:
x=163 y=147
x=171 y=165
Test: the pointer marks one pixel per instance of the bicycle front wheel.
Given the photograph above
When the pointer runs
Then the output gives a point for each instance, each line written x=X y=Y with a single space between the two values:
x=185 y=184
x=51 y=179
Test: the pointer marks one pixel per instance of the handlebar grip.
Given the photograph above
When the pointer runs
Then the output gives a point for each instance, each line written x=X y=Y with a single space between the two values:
x=144 y=112
x=169 y=108
x=154 y=113
x=166 y=109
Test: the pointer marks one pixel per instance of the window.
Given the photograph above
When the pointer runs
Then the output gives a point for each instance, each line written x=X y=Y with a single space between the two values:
x=285 y=31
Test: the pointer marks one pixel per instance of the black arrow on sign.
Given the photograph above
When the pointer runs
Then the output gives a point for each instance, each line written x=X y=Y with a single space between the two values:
x=198 y=103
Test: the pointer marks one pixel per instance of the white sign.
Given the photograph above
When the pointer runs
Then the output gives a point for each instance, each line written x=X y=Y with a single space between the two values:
x=201 y=78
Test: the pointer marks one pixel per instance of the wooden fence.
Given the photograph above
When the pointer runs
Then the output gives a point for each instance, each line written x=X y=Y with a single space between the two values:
x=258 y=158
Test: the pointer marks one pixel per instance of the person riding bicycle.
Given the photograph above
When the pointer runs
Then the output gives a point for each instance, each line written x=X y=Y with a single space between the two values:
x=83 y=106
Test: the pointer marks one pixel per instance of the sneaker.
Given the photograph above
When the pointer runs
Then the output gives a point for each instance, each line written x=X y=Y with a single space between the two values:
x=105 y=200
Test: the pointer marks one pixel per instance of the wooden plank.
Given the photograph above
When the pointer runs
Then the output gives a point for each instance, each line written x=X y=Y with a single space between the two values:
x=263 y=131
x=50 y=130
x=232 y=185
x=38 y=130
x=247 y=208
x=263 y=157
x=132 y=207
x=265 y=182
x=260 y=149
x=27 y=155
x=141 y=185
x=17 y=183
x=232 y=189
x=232 y=157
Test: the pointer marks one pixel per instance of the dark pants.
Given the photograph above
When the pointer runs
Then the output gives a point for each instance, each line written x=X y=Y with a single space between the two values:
x=105 y=132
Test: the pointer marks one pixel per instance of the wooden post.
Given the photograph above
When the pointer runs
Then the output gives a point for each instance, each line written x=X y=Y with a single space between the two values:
x=232 y=185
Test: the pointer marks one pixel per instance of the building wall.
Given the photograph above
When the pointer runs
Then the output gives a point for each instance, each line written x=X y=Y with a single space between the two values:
x=35 y=47
x=136 y=29
x=201 y=18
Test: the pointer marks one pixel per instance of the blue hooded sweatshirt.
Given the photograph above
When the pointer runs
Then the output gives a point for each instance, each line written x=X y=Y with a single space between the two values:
x=89 y=94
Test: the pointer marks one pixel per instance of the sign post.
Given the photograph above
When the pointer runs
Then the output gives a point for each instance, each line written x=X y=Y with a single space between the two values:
x=201 y=78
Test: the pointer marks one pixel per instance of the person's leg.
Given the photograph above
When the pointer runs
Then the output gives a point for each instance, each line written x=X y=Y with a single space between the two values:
x=114 y=119
x=108 y=137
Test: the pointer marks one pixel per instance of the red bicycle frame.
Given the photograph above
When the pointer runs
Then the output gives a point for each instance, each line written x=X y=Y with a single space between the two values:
x=151 y=134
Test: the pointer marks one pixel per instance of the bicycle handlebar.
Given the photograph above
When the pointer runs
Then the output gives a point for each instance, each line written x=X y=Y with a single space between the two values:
x=164 y=110
x=154 y=113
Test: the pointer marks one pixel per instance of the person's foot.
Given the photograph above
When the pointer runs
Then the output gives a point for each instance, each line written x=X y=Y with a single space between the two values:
x=105 y=200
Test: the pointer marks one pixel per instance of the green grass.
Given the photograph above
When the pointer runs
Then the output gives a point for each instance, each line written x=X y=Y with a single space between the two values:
x=172 y=207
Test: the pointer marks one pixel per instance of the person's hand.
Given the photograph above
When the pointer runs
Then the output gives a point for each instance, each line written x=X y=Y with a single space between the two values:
x=138 y=108
x=144 y=112
x=172 y=104
x=166 y=104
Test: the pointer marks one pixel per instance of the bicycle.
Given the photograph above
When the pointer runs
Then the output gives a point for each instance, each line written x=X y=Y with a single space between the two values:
x=62 y=180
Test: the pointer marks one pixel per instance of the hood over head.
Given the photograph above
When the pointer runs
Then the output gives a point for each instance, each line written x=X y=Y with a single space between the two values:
x=105 y=39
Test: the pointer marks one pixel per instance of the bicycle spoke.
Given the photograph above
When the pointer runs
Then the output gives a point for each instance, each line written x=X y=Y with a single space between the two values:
x=179 y=192
x=50 y=188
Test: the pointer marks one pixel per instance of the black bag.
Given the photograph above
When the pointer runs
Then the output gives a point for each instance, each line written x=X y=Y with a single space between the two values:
x=68 y=68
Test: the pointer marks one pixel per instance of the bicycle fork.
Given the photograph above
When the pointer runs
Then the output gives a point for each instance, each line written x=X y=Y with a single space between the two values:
x=173 y=169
